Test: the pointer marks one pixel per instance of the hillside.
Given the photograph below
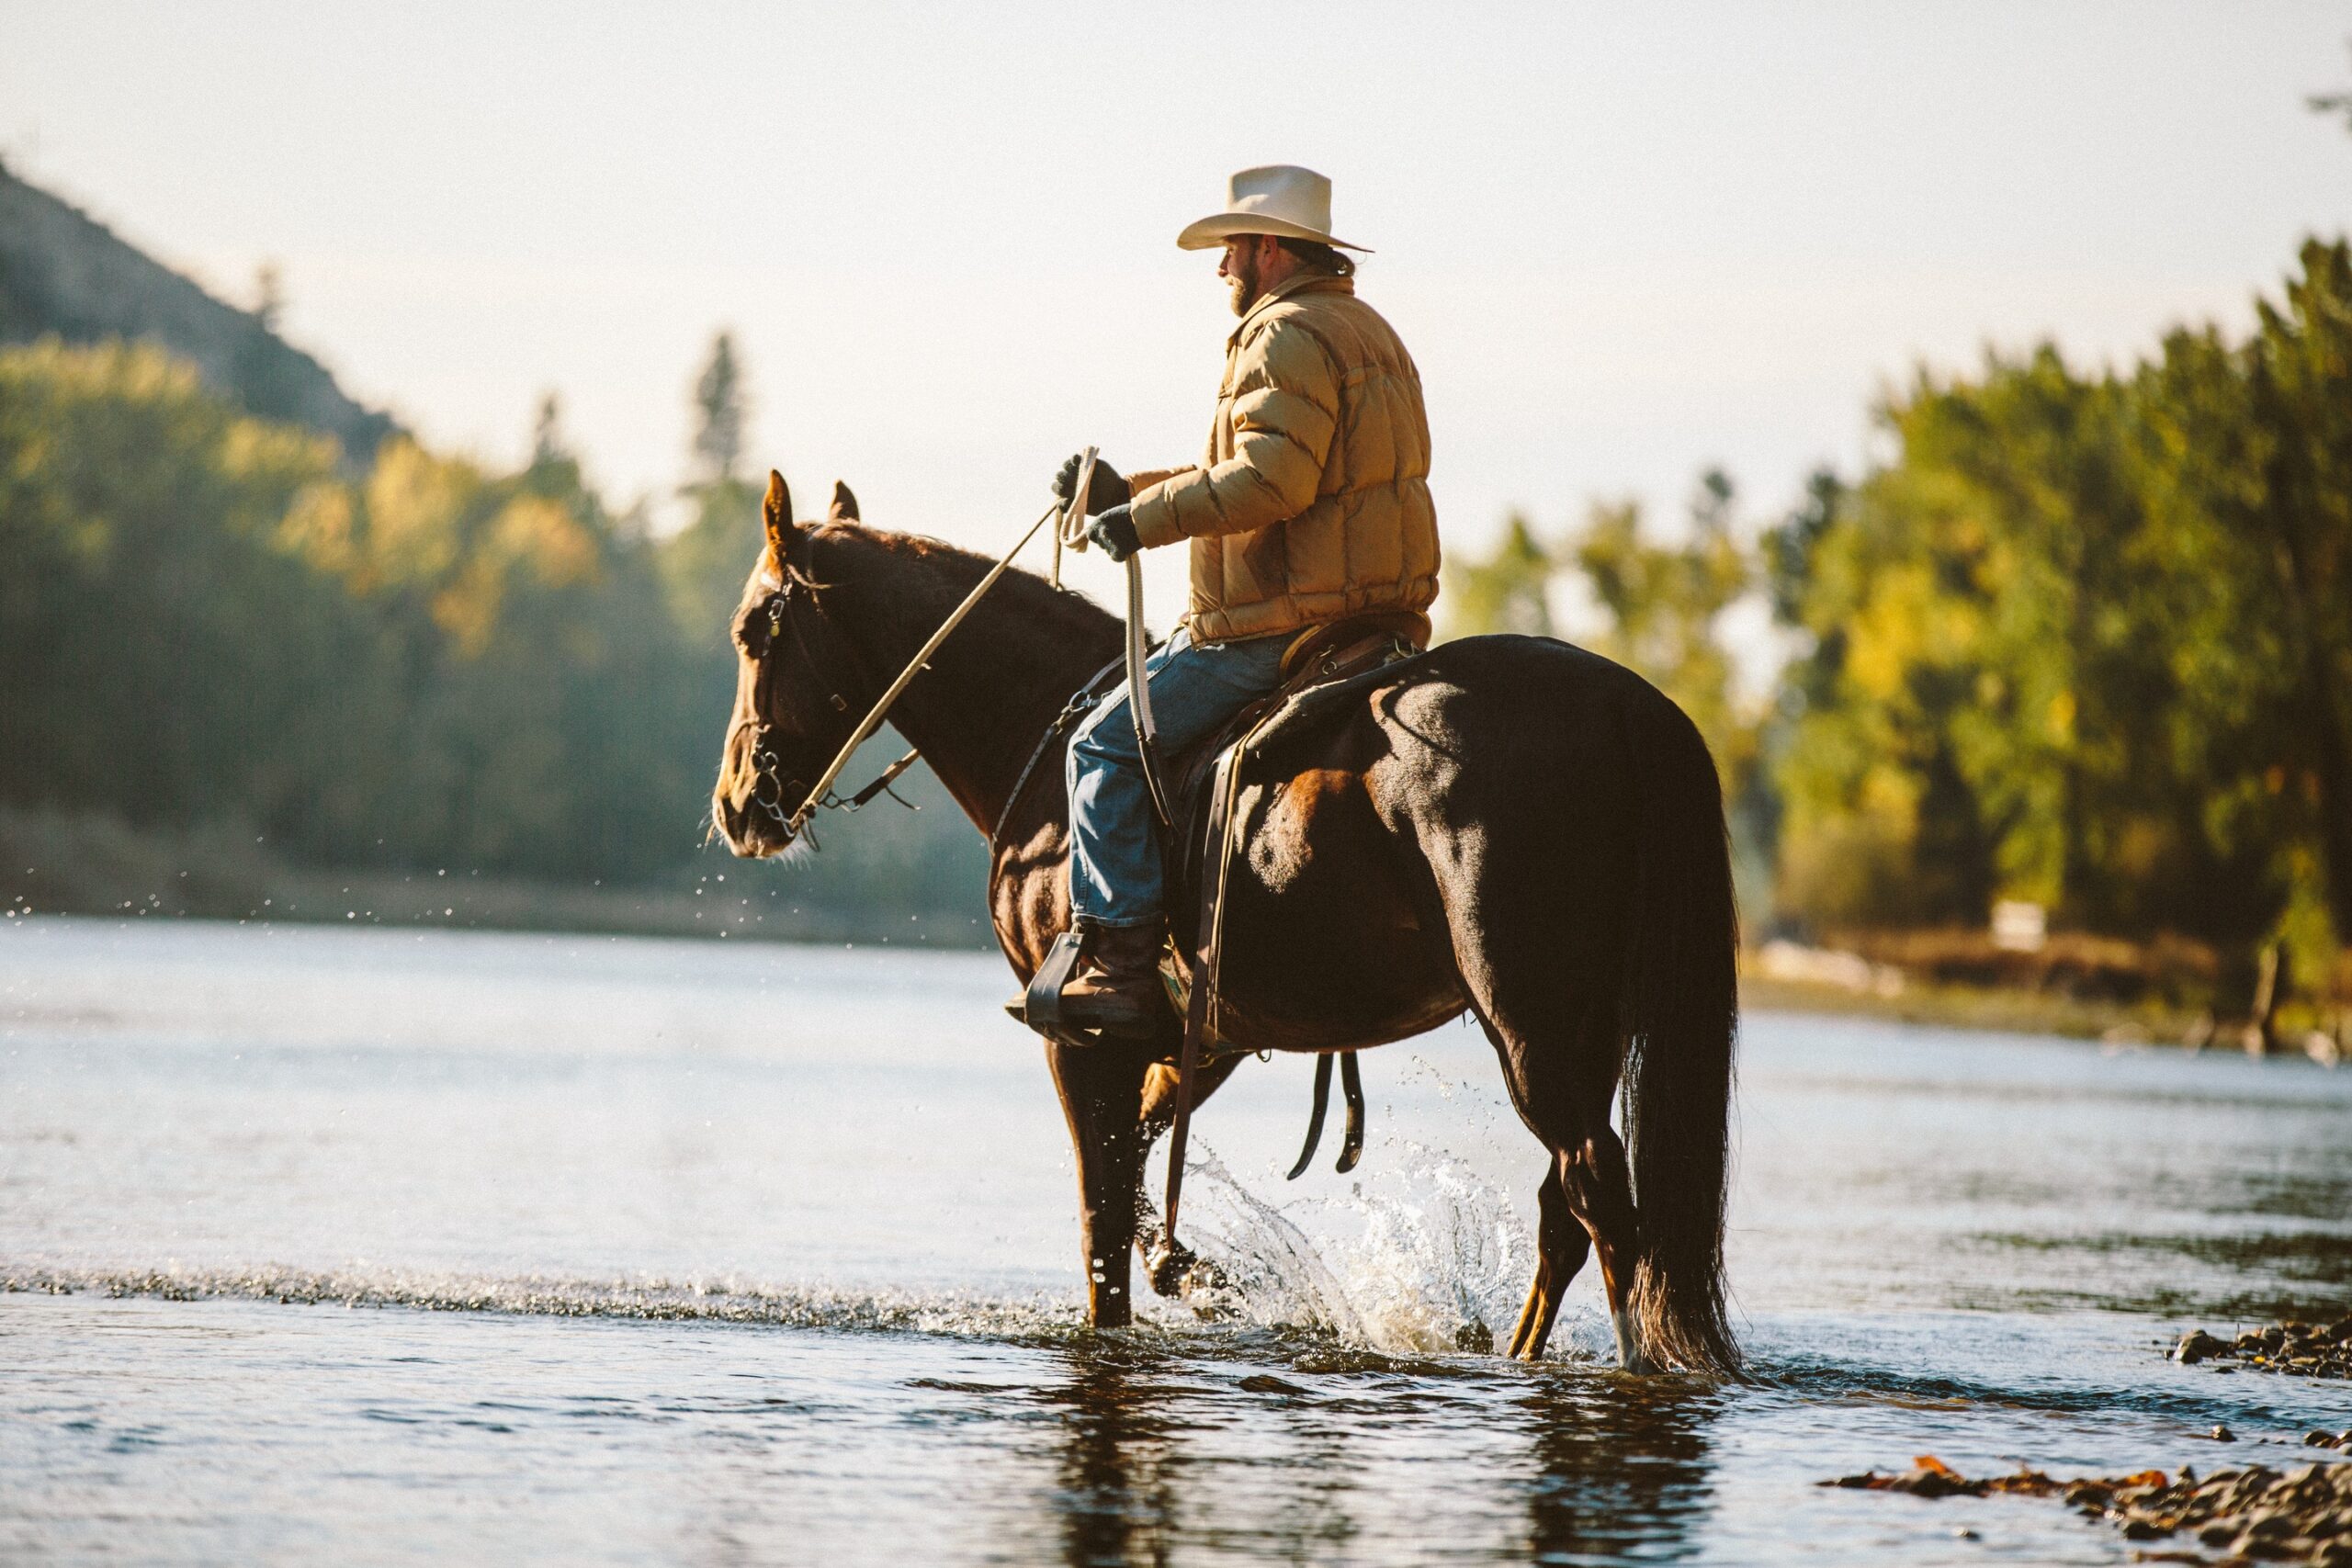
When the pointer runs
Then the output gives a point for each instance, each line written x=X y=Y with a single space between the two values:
x=65 y=274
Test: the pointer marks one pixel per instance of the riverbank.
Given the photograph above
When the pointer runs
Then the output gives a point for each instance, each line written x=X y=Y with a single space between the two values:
x=67 y=864
x=1960 y=1006
x=54 y=862
x=2084 y=987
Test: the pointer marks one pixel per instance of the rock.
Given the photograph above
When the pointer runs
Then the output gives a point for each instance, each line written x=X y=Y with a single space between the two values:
x=2290 y=1348
x=2303 y=1515
x=2220 y=1434
x=1262 y=1383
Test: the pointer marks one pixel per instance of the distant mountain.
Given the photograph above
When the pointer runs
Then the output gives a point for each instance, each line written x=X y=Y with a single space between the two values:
x=64 y=272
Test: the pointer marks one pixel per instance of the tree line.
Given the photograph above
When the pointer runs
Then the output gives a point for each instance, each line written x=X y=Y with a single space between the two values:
x=2083 y=639
x=395 y=660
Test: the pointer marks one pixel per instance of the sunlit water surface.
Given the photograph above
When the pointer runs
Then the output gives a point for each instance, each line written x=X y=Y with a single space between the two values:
x=368 y=1244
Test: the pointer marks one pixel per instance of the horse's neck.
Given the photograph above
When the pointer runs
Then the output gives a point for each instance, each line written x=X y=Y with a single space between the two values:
x=978 y=711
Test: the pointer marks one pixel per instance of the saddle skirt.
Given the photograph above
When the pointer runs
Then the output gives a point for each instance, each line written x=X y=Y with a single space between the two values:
x=1320 y=669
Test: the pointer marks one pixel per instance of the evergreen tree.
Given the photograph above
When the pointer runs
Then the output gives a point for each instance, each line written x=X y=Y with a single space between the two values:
x=720 y=401
x=706 y=565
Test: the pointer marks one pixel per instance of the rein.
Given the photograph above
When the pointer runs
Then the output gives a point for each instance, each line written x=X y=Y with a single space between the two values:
x=818 y=792
x=1199 y=1022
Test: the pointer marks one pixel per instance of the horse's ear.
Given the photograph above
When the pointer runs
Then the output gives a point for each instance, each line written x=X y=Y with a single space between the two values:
x=776 y=513
x=844 y=507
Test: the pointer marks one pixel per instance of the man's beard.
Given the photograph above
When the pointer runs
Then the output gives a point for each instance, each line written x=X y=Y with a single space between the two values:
x=1243 y=281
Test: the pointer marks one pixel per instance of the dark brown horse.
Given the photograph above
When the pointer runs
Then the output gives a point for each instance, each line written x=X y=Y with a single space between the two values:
x=1510 y=824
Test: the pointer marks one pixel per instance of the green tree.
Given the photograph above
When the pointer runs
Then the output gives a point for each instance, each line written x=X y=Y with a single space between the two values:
x=157 y=653
x=1977 y=714
x=2302 y=399
x=2087 y=640
x=267 y=373
x=1664 y=604
x=1509 y=591
x=705 y=563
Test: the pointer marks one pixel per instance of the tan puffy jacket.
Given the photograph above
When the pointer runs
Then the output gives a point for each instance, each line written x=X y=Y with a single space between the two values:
x=1313 y=501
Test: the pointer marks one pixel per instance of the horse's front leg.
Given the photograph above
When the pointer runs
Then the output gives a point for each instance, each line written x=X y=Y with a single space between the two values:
x=1102 y=1089
x=1169 y=1268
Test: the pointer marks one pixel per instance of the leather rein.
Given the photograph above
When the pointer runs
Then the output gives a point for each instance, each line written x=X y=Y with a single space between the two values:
x=764 y=762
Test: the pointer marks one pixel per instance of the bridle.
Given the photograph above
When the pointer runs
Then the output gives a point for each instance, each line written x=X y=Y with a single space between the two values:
x=770 y=787
x=781 y=607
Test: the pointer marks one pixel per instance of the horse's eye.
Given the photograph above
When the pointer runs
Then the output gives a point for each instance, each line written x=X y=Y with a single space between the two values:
x=752 y=631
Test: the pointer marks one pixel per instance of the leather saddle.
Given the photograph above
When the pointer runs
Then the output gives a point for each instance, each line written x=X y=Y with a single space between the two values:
x=1200 y=785
x=1323 y=656
x=1318 y=664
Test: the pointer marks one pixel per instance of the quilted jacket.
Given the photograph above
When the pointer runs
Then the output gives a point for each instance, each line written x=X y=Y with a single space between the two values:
x=1312 y=502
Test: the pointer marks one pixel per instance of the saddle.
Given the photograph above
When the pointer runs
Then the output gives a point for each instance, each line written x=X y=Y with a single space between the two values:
x=1201 y=783
x=1322 y=656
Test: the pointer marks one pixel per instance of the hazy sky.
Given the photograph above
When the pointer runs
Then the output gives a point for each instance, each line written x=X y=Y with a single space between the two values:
x=1622 y=240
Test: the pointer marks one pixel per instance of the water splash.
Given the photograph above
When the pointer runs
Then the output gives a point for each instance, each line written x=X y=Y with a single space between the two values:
x=721 y=1300
x=1424 y=1255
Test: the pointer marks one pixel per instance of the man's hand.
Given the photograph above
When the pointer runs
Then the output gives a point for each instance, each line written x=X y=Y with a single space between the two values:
x=1104 y=491
x=1113 y=531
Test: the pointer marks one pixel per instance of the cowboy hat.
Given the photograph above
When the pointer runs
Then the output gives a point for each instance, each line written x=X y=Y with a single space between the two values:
x=1282 y=199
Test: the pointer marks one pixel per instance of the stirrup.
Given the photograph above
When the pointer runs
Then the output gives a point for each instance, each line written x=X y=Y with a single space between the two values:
x=1041 y=1004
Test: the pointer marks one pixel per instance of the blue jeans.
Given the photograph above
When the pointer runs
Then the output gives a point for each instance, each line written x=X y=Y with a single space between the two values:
x=1115 y=876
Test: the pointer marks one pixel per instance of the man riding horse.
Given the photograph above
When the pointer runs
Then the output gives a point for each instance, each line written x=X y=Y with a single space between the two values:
x=1311 y=504
x=1508 y=826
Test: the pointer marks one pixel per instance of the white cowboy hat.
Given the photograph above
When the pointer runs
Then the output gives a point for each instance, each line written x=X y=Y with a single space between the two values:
x=1282 y=199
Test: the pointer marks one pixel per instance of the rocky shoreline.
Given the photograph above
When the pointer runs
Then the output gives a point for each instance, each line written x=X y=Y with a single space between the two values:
x=2289 y=1349
x=2251 y=1515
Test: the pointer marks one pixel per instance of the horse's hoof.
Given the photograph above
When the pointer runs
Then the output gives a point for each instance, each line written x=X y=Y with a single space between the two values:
x=1180 y=1272
x=1629 y=1348
x=1168 y=1268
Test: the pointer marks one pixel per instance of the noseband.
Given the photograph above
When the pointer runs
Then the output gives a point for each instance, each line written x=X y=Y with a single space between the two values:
x=770 y=787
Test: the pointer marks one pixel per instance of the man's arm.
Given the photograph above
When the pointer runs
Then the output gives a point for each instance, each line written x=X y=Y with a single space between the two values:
x=1144 y=479
x=1285 y=411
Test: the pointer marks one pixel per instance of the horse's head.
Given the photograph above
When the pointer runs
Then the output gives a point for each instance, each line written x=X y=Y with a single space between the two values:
x=799 y=689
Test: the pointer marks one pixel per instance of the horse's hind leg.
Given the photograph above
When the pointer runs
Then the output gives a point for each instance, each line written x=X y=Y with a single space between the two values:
x=1586 y=1204
x=1600 y=1193
x=1561 y=1248
x=1542 y=974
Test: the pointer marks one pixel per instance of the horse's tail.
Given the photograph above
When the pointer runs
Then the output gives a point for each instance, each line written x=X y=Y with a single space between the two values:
x=1683 y=1013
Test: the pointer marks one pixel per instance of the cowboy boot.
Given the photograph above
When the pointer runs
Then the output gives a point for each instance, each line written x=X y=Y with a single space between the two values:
x=1118 y=989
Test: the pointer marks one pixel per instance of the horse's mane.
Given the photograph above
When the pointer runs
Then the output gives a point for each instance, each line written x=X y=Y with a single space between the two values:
x=935 y=576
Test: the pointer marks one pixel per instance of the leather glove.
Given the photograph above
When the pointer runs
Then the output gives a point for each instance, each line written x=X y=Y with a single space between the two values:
x=1113 y=531
x=1105 y=491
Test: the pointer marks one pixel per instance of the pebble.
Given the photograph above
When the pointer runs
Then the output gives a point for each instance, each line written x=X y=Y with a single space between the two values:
x=2296 y=1516
x=2292 y=1349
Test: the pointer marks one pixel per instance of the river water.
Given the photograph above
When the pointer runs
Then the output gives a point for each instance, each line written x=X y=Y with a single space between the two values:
x=374 y=1245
